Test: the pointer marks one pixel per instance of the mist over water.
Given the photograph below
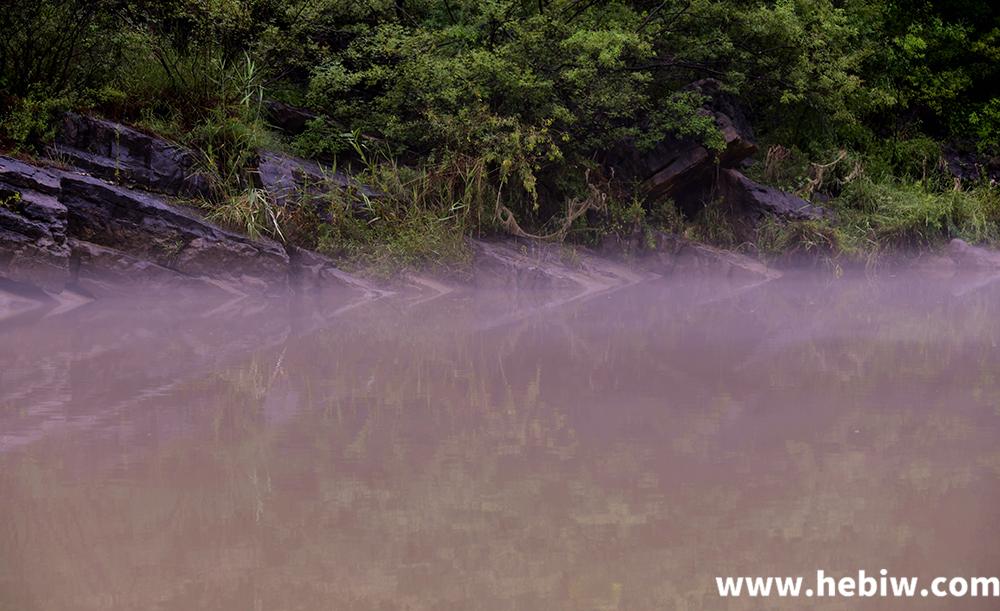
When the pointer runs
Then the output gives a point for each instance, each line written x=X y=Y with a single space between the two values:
x=495 y=451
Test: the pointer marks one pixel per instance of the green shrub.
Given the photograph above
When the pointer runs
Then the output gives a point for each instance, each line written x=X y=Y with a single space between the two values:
x=322 y=138
x=29 y=122
x=985 y=126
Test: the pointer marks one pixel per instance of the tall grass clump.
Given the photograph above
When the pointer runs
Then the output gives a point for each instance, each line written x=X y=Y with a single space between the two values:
x=407 y=215
x=212 y=103
x=202 y=99
x=251 y=211
x=892 y=216
x=895 y=196
x=419 y=215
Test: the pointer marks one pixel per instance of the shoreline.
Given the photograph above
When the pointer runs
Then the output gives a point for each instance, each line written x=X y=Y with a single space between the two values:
x=115 y=210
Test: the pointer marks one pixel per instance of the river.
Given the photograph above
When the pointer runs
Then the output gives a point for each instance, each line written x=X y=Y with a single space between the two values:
x=483 y=450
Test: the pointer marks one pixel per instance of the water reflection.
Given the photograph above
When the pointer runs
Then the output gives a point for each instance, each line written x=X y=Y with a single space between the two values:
x=481 y=452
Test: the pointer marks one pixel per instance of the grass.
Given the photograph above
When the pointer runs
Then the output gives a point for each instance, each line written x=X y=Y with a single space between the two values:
x=251 y=212
x=714 y=225
x=215 y=108
x=418 y=217
x=894 y=216
x=776 y=238
x=873 y=220
x=896 y=199
x=209 y=104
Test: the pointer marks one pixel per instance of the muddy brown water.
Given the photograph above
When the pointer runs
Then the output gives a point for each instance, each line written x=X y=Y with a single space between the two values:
x=498 y=452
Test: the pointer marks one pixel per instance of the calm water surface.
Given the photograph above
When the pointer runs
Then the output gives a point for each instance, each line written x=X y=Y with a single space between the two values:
x=498 y=452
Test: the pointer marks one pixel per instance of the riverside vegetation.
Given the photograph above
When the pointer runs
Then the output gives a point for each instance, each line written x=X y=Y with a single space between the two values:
x=497 y=116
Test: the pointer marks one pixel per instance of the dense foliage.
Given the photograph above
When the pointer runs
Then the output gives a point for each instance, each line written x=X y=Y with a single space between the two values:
x=529 y=92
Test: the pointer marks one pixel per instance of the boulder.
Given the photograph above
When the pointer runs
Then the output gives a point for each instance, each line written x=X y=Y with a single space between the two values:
x=675 y=163
x=291 y=181
x=744 y=195
x=147 y=227
x=122 y=154
x=289 y=119
x=32 y=226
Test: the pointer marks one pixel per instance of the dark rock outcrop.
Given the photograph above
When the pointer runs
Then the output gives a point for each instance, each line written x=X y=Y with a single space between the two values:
x=695 y=162
x=148 y=227
x=311 y=271
x=60 y=229
x=293 y=181
x=33 y=223
x=693 y=175
x=99 y=271
x=19 y=175
x=743 y=194
x=503 y=266
x=289 y=119
x=675 y=163
x=537 y=266
x=969 y=168
x=125 y=155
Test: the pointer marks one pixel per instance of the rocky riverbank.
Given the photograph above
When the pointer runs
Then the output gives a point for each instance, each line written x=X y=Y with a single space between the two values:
x=108 y=213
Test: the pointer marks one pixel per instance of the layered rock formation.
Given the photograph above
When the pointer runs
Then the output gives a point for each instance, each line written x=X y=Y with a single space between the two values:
x=692 y=175
x=292 y=181
x=121 y=154
x=61 y=229
x=33 y=224
x=744 y=195
x=112 y=221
